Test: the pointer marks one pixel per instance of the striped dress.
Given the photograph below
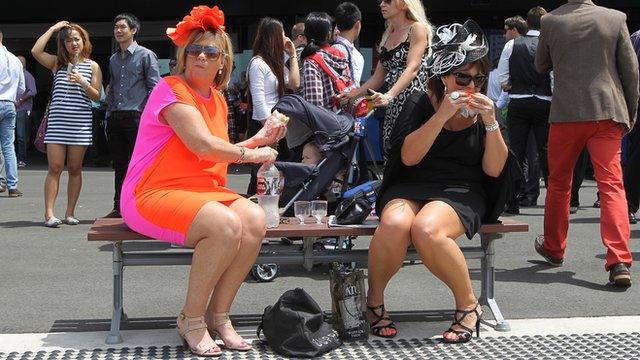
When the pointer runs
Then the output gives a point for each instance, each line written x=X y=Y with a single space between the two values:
x=70 y=109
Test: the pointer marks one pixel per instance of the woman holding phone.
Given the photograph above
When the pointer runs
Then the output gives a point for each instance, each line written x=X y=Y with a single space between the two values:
x=76 y=81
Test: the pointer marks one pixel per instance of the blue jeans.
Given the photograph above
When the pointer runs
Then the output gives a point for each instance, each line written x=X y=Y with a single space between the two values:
x=22 y=134
x=7 y=135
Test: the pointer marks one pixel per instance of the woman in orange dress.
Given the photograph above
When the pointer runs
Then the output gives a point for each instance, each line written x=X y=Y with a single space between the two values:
x=175 y=190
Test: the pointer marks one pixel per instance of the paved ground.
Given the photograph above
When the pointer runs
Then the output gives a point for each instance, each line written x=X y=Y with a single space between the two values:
x=53 y=280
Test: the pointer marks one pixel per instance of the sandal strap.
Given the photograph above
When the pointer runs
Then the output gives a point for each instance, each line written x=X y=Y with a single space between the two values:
x=220 y=319
x=192 y=323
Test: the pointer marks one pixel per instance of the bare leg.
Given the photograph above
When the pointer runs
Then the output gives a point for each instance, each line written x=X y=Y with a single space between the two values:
x=253 y=231
x=75 y=155
x=433 y=234
x=56 y=154
x=387 y=251
x=215 y=235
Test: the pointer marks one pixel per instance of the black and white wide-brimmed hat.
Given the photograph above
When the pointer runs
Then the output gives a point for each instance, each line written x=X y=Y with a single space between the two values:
x=456 y=45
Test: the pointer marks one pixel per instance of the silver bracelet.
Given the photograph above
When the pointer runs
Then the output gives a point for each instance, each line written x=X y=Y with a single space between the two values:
x=493 y=127
x=243 y=150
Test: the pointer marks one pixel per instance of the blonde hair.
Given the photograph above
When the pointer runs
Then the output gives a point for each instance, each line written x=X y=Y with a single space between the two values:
x=414 y=11
x=222 y=40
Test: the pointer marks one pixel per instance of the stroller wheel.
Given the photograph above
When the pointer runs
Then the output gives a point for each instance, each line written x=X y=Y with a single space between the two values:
x=265 y=272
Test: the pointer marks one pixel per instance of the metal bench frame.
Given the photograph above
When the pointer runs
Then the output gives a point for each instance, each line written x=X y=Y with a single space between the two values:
x=115 y=231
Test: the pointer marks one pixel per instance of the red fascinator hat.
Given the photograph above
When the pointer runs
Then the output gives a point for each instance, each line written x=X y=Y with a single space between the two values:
x=201 y=17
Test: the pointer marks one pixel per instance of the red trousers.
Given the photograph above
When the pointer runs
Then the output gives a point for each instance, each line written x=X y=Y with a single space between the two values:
x=602 y=139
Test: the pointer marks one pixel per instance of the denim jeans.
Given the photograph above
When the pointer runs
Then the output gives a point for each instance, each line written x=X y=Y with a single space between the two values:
x=7 y=134
x=3 y=175
x=22 y=134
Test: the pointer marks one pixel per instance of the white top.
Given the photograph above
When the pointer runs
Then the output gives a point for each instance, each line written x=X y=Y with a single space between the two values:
x=11 y=76
x=503 y=68
x=264 y=88
x=356 y=59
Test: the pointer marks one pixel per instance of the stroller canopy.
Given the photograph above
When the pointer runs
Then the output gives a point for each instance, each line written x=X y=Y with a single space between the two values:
x=328 y=128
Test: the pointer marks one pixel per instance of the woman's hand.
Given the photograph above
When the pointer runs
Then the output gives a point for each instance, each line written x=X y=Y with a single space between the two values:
x=59 y=25
x=450 y=106
x=259 y=155
x=76 y=77
x=272 y=131
x=347 y=96
x=380 y=99
x=289 y=47
x=484 y=106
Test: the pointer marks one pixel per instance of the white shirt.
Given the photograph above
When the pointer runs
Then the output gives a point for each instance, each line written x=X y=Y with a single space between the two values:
x=503 y=69
x=263 y=85
x=12 y=82
x=356 y=59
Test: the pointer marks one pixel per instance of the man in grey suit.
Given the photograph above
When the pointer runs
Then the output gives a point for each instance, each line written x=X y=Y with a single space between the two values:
x=595 y=101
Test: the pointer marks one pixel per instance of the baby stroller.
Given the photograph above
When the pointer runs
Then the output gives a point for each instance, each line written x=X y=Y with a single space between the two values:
x=340 y=139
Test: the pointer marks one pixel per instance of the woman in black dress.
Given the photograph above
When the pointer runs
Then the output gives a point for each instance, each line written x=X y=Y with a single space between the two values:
x=443 y=147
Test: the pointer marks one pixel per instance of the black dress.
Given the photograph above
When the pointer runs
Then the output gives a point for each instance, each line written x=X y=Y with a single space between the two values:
x=451 y=171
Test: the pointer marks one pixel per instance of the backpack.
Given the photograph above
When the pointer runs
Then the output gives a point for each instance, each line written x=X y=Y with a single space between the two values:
x=295 y=326
x=340 y=82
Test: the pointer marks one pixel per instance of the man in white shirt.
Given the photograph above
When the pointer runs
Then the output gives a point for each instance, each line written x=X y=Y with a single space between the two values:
x=529 y=101
x=12 y=85
x=348 y=20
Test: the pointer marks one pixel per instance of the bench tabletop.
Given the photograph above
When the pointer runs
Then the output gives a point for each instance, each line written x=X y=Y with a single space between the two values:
x=114 y=229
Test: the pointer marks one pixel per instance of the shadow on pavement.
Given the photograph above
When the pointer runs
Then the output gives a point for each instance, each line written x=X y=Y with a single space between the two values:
x=21 y=224
x=534 y=275
x=634 y=255
x=593 y=220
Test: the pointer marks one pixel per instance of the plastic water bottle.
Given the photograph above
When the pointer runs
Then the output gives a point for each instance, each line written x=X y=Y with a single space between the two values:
x=269 y=194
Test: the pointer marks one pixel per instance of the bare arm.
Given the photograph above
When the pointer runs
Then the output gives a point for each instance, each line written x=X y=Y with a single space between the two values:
x=375 y=82
x=45 y=59
x=294 y=67
x=495 y=149
x=190 y=127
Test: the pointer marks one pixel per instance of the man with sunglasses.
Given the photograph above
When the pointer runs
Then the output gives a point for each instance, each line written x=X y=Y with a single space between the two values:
x=595 y=102
x=133 y=72
x=529 y=104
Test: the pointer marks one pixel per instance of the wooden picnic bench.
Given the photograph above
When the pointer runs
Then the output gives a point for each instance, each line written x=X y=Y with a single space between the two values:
x=115 y=231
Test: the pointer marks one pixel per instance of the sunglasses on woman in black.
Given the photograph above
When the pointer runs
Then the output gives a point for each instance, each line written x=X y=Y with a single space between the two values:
x=465 y=79
x=210 y=52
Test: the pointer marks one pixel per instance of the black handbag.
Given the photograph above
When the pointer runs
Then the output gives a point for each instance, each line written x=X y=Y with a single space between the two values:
x=295 y=326
x=353 y=210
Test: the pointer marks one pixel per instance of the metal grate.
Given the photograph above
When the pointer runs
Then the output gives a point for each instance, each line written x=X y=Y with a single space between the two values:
x=594 y=346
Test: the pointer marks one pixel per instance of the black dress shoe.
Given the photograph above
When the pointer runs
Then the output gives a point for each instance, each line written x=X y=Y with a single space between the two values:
x=538 y=244
x=596 y=204
x=573 y=209
x=528 y=202
x=632 y=218
x=619 y=275
x=113 y=214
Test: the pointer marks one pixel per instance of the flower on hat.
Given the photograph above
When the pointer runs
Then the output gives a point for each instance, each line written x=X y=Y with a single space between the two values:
x=201 y=17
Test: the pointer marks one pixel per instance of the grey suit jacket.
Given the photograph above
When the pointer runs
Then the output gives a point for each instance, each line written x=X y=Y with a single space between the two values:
x=595 y=68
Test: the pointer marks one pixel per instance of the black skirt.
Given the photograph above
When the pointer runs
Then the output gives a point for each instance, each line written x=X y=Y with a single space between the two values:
x=469 y=204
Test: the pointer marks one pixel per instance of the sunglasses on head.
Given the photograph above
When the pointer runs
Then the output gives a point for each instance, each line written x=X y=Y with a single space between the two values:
x=210 y=52
x=465 y=79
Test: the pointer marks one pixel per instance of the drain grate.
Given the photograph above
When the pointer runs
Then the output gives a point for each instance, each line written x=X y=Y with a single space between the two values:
x=592 y=346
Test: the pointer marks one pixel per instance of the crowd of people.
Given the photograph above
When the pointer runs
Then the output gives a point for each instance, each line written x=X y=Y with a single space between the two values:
x=456 y=126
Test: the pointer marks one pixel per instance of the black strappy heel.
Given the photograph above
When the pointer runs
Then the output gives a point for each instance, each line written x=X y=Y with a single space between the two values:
x=466 y=333
x=376 y=330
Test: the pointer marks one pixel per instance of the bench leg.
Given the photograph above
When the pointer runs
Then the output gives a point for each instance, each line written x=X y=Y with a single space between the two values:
x=487 y=292
x=114 y=336
x=307 y=249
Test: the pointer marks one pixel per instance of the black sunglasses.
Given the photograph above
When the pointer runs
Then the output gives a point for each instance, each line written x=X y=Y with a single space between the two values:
x=210 y=52
x=466 y=79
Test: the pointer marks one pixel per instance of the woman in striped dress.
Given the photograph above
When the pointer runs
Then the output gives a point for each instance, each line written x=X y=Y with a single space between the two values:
x=77 y=80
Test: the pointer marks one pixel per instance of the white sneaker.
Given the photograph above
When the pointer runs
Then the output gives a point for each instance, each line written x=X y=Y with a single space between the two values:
x=52 y=222
x=70 y=220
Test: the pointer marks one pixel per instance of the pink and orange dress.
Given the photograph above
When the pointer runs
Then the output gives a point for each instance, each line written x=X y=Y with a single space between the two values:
x=167 y=184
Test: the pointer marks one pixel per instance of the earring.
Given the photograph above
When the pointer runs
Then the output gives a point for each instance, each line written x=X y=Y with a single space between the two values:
x=220 y=71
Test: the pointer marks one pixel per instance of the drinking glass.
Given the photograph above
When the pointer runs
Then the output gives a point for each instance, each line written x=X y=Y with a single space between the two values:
x=302 y=210
x=319 y=210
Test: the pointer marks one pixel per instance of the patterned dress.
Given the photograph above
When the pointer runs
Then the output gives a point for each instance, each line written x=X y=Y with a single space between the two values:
x=394 y=61
x=70 y=116
x=167 y=184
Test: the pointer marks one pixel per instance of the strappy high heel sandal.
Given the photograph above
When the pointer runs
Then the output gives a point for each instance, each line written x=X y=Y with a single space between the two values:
x=189 y=324
x=222 y=319
x=377 y=330
x=466 y=333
